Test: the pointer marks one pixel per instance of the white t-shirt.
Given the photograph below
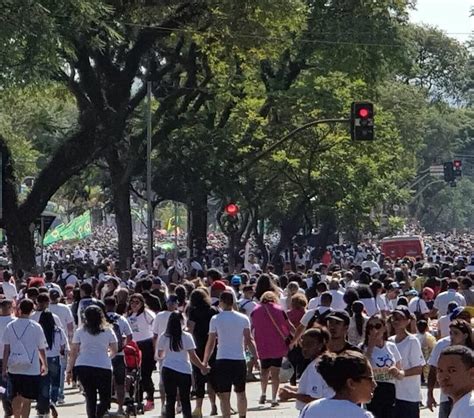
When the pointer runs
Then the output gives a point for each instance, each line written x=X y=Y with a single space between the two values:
x=382 y=359
x=123 y=325
x=247 y=305
x=464 y=407
x=442 y=301
x=35 y=316
x=443 y=326
x=64 y=314
x=32 y=336
x=94 y=349
x=71 y=278
x=4 y=321
x=334 y=408
x=434 y=357
x=417 y=304
x=308 y=315
x=314 y=302
x=374 y=305
x=229 y=327
x=160 y=322
x=142 y=325
x=177 y=360
x=312 y=384
x=59 y=341
x=338 y=303
x=9 y=290
x=409 y=388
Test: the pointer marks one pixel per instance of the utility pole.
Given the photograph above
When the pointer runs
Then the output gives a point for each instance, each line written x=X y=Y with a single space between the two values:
x=148 y=179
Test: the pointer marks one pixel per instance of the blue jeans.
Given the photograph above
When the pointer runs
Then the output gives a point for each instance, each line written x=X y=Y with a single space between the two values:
x=49 y=386
x=63 y=362
x=406 y=409
x=445 y=409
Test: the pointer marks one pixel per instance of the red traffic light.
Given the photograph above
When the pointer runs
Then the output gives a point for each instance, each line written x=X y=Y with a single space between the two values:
x=363 y=112
x=457 y=164
x=231 y=209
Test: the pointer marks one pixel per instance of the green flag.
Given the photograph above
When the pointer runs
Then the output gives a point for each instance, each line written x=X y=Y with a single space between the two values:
x=78 y=228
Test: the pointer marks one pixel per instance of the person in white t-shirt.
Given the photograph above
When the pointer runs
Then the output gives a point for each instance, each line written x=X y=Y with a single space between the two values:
x=442 y=300
x=24 y=359
x=177 y=350
x=231 y=331
x=93 y=346
x=455 y=375
x=350 y=375
x=141 y=320
x=311 y=385
x=445 y=320
x=408 y=389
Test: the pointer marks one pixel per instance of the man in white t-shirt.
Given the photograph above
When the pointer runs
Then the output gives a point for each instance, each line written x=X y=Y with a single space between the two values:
x=311 y=385
x=444 y=402
x=231 y=331
x=442 y=300
x=24 y=359
x=67 y=320
x=456 y=378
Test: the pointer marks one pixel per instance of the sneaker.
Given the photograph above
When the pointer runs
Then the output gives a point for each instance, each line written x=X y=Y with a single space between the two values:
x=275 y=403
x=163 y=410
x=214 y=410
x=61 y=401
x=197 y=413
x=179 y=409
x=262 y=400
x=150 y=405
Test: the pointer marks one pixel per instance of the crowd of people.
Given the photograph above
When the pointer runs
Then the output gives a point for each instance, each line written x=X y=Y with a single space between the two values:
x=356 y=333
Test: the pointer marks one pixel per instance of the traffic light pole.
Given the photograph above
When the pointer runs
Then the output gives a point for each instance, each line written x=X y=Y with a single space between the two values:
x=288 y=136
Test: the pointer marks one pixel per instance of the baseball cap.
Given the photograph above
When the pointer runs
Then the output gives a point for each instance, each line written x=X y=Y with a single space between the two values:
x=236 y=280
x=54 y=294
x=411 y=292
x=218 y=285
x=402 y=310
x=429 y=292
x=455 y=313
x=340 y=316
x=393 y=286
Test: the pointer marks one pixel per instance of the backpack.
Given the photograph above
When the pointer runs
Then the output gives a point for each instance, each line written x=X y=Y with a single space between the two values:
x=62 y=282
x=19 y=356
x=319 y=317
x=112 y=319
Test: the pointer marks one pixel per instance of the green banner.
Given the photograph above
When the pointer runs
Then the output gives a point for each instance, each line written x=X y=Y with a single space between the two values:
x=78 y=228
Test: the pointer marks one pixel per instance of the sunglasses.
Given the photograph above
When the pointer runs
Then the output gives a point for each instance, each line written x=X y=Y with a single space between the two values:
x=135 y=302
x=376 y=326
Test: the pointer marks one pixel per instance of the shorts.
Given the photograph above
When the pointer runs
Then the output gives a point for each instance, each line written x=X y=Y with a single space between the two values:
x=266 y=363
x=227 y=373
x=24 y=385
x=118 y=370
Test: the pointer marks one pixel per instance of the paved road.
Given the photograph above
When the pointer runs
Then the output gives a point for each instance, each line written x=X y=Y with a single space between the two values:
x=75 y=406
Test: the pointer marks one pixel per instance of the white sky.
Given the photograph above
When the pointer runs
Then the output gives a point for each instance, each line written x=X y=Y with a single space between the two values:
x=452 y=16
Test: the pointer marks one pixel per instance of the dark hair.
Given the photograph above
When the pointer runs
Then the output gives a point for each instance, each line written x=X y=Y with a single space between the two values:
x=46 y=320
x=380 y=318
x=465 y=328
x=422 y=325
x=181 y=294
x=214 y=274
x=94 y=320
x=357 y=308
x=320 y=333
x=364 y=292
x=264 y=284
x=26 y=306
x=174 y=331
x=86 y=288
x=227 y=298
x=110 y=302
x=336 y=369
x=199 y=298
x=326 y=298
x=466 y=353
x=140 y=297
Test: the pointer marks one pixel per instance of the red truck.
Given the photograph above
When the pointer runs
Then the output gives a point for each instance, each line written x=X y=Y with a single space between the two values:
x=403 y=246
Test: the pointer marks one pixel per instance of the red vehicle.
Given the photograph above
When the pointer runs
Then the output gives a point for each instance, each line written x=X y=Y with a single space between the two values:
x=403 y=246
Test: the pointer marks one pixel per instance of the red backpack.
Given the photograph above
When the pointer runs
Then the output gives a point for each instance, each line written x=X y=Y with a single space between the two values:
x=132 y=355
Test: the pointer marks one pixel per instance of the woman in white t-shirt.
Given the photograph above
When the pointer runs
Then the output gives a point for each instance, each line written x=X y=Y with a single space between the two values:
x=385 y=360
x=350 y=375
x=141 y=319
x=93 y=346
x=177 y=350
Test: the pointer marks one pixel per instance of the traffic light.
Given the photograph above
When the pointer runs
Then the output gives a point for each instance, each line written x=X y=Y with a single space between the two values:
x=457 y=166
x=362 y=121
x=231 y=209
x=448 y=170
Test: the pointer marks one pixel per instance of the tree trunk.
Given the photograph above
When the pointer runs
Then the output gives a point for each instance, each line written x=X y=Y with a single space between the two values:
x=197 y=226
x=120 y=183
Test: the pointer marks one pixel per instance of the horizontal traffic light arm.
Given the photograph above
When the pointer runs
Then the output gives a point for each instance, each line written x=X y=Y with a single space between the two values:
x=290 y=135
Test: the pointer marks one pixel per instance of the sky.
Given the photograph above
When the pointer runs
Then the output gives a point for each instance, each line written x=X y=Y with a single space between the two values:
x=452 y=16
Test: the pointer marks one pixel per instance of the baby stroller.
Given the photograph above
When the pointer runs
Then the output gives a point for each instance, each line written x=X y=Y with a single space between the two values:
x=133 y=361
